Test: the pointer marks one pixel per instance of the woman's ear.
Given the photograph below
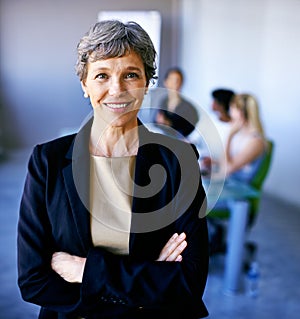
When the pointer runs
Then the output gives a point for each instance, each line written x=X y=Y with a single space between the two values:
x=85 y=94
x=146 y=89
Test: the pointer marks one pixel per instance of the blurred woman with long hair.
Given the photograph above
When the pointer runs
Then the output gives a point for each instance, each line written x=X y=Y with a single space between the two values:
x=246 y=142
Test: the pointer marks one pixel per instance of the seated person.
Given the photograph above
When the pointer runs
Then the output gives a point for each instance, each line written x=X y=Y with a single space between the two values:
x=246 y=143
x=175 y=111
x=220 y=105
x=244 y=151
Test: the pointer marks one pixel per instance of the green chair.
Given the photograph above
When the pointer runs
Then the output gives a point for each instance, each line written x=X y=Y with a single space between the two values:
x=217 y=217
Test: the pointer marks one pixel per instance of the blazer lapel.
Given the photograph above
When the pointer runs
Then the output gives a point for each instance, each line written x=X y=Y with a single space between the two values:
x=76 y=177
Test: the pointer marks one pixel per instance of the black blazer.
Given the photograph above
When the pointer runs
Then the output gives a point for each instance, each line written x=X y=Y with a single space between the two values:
x=54 y=216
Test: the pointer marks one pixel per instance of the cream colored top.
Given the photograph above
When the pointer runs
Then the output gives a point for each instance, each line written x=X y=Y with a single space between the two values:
x=111 y=190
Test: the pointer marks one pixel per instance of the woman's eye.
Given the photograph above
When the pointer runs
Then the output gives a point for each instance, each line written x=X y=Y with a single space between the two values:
x=131 y=75
x=102 y=76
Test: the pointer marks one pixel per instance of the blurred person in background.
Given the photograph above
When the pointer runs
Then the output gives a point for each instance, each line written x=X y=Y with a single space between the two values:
x=175 y=111
x=246 y=143
x=220 y=105
x=244 y=150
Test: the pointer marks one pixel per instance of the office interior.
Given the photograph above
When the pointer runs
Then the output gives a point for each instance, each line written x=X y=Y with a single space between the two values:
x=249 y=46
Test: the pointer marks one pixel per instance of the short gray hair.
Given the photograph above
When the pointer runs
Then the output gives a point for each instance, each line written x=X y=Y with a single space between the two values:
x=113 y=38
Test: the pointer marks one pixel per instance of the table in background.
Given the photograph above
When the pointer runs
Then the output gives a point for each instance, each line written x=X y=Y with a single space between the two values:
x=236 y=195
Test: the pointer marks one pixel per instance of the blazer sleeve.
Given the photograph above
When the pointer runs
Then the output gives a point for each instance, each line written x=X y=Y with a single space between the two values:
x=38 y=283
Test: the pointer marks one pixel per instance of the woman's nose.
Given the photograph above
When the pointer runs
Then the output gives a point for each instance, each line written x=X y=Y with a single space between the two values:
x=116 y=87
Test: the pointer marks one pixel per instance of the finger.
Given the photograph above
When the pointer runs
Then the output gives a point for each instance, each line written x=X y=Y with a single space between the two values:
x=175 y=243
x=55 y=257
x=57 y=260
x=171 y=246
x=164 y=252
x=179 y=258
x=181 y=237
x=171 y=240
x=58 y=254
x=177 y=251
x=61 y=256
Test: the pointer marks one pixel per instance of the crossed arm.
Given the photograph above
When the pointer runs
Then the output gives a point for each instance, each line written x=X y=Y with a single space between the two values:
x=71 y=267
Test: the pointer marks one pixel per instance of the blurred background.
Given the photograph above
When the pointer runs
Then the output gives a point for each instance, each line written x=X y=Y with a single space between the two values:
x=248 y=46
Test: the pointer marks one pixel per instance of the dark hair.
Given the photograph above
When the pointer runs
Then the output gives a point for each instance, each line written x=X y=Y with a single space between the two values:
x=174 y=69
x=223 y=97
x=113 y=38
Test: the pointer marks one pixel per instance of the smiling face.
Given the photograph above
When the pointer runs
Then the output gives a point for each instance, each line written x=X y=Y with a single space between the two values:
x=116 y=88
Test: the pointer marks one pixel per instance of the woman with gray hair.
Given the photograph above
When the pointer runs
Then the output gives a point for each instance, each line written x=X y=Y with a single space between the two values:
x=112 y=219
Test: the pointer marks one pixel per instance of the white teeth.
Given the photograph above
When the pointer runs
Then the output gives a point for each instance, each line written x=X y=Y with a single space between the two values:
x=116 y=106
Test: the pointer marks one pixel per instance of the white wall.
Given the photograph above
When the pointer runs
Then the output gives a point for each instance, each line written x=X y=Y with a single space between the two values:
x=250 y=46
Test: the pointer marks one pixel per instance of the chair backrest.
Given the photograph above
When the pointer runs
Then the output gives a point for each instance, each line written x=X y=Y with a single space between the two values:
x=264 y=167
x=257 y=182
x=259 y=179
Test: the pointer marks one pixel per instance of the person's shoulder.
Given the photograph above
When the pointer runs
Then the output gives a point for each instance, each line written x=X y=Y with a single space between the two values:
x=55 y=147
x=188 y=106
x=61 y=141
x=188 y=102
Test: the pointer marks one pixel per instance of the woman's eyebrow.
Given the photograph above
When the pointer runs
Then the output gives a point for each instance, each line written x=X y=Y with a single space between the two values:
x=129 y=68
x=133 y=68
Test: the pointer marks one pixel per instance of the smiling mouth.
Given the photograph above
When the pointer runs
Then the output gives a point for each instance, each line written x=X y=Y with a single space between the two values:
x=117 y=105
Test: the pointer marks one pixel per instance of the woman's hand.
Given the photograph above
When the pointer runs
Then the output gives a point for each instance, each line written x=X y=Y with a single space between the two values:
x=173 y=248
x=236 y=125
x=69 y=267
